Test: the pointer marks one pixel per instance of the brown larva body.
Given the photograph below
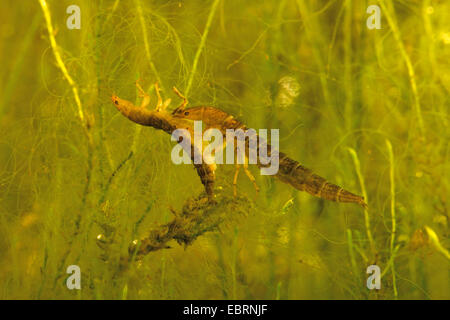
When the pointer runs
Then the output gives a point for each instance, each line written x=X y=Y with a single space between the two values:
x=211 y=117
x=166 y=122
x=290 y=171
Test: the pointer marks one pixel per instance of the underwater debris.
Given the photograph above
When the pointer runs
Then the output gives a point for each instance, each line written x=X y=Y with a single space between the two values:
x=288 y=91
x=197 y=217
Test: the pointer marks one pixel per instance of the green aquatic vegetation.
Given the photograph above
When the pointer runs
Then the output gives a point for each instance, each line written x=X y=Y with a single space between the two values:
x=197 y=217
x=79 y=183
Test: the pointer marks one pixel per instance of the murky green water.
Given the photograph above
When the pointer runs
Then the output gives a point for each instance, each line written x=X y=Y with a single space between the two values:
x=366 y=109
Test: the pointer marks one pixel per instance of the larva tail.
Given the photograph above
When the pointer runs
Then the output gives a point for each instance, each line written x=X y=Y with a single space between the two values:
x=303 y=179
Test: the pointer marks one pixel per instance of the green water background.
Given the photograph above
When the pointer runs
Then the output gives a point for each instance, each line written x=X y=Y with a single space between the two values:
x=366 y=109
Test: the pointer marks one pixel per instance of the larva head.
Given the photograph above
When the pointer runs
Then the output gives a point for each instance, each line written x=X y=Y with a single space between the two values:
x=190 y=113
x=209 y=115
x=120 y=104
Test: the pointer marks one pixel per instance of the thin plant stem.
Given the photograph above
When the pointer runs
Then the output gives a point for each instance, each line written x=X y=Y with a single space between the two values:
x=248 y=51
x=146 y=44
x=234 y=264
x=393 y=220
x=311 y=25
x=59 y=61
x=352 y=253
x=200 y=47
x=411 y=73
x=348 y=72
x=84 y=124
x=364 y=193
x=18 y=65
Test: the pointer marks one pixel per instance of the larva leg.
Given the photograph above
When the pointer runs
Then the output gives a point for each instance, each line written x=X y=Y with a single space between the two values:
x=166 y=104
x=146 y=98
x=185 y=101
x=159 y=105
x=250 y=176
x=236 y=174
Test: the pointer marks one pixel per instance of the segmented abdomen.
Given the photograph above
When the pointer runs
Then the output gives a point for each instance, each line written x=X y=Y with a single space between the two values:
x=290 y=171
x=303 y=179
